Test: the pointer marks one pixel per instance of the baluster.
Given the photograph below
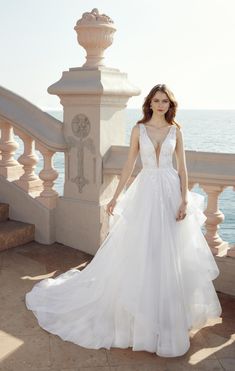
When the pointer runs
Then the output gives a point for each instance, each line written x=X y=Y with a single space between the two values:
x=231 y=251
x=29 y=181
x=214 y=218
x=9 y=167
x=48 y=175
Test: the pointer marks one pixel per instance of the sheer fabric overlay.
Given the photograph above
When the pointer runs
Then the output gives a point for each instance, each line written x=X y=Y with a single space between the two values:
x=150 y=281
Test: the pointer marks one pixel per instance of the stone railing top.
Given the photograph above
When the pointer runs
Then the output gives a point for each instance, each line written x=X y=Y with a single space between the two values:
x=207 y=167
x=216 y=167
x=30 y=119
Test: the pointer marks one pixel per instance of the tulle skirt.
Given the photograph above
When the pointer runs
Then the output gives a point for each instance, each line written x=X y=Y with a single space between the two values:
x=150 y=281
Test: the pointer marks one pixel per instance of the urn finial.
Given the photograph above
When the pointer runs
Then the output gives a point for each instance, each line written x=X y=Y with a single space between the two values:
x=95 y=34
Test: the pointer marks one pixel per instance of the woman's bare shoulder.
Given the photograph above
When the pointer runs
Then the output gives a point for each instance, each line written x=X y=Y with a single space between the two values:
x=179 y=132
x=136 y=128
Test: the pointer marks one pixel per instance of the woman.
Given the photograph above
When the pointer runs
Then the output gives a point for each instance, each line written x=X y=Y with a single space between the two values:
x=150 y=281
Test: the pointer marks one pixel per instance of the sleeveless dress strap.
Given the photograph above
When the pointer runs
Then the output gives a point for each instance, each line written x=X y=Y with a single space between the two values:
x=141 y=130
x=173 y=132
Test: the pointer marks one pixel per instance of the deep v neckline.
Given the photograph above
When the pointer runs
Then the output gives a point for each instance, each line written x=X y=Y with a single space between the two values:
x=159 y=144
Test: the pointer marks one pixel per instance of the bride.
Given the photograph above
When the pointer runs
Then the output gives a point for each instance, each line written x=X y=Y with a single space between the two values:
x=150 y=281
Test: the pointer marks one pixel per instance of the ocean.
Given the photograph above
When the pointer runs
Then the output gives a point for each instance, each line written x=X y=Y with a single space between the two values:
x=204 y=130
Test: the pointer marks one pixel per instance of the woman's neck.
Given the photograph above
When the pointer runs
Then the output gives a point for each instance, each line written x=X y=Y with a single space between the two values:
x=158 y=120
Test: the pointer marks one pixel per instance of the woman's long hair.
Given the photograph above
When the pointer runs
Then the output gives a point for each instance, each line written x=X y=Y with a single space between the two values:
x=170 y=114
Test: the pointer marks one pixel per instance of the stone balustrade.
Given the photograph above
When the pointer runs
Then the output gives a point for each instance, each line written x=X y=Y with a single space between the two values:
x=21 y=171
x=213 y=180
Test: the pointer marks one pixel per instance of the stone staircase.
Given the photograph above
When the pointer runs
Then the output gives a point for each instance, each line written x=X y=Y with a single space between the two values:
x=12 y=232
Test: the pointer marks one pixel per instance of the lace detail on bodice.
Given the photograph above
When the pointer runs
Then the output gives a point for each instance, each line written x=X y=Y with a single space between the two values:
x=148 y=153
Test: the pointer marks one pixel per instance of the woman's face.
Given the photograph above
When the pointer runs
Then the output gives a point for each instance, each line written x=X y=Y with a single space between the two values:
x=160 y=103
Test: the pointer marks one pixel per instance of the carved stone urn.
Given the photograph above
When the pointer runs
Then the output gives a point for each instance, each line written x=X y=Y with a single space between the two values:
x=95 y=34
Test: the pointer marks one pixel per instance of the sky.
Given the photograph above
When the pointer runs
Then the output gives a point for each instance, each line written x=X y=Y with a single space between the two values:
x=186 y=44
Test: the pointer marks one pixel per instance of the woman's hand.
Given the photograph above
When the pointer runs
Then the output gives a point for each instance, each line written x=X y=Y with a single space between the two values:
x=110 y=206
x=182 y=211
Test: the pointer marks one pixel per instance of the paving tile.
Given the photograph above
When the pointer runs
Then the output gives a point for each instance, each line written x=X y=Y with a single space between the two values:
x=225 y=325
x=2 y=253
x=223 y=347
x=66 y=354
x=228 y=364
x=13 y=289
x=98 y=368
x=24 y=352
x=118 y=356
x=197 y=339
x=226 y=329
x=18 y=320
x=57 y=256
x=141 y=367
x=19 y=274
x=16 y=368
x=194 y=365
x=25 y=346
x=178 y=366
x=197 y=353
x=228 y=351
x=22 y=368
x=208 y=365
x=21 y=264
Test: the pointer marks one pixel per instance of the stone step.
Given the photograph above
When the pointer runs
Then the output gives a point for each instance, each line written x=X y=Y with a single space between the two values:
x=4 y=212
x=14 y=233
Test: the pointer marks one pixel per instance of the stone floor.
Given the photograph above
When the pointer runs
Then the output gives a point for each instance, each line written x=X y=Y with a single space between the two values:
x=25 y=346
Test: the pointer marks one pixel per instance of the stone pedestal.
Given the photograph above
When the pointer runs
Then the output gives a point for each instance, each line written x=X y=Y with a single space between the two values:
x=94 y=98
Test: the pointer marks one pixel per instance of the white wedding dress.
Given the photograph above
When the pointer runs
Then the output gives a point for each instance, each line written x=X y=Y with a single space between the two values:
x=150 y=281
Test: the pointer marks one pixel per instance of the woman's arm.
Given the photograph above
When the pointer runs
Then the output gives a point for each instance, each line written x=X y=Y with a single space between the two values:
x=181 y=164
x=130 y=162
x=127 y=168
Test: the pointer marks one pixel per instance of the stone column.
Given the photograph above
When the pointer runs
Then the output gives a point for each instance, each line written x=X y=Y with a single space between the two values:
x=48 y=175
x=94 y=98
x=231 y=250
x=214 y=218
x=9 y=166
x=29 y=181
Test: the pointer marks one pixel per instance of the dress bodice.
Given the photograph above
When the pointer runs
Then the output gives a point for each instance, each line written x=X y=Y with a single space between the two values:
x=148 y=153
